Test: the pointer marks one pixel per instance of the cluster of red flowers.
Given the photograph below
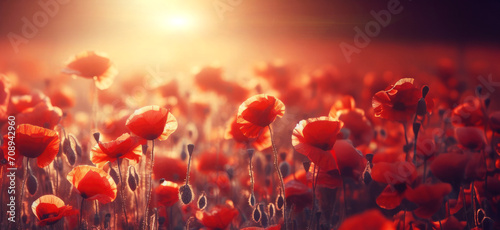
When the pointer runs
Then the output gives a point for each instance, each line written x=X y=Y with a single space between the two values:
x=408 y=161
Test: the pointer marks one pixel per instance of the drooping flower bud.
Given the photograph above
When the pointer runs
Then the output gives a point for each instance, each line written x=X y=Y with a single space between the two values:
x=202 y=201
x=280 y=202
x=186 y=194
x=307 y=165
x=271 y=210
x=251 y=200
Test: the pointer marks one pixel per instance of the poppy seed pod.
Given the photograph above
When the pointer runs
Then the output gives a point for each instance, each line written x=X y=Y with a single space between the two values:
x=78 y=148
x=425 y=91
x=256 y=215
x=186 y=194
x=202 y=202
x=32 y=183
x=190 y=148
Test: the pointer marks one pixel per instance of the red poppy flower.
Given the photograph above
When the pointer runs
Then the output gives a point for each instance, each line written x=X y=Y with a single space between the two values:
x=371 y=219
x=429 y=198
x=37 y=142
x=93 y=65
x=171 y=169
x=126 y=146
x=450 y=167
x=167 y=194
x=219 y=217
x=258 y=112
x=93 y=183
x=43 y=115
x=298 y=194
x=211 y=162
x=315 y=138
x=397 y=102
x=470 y=138
x=152 y=122
x=468 y=113
x=263 y=141
x=49 y=209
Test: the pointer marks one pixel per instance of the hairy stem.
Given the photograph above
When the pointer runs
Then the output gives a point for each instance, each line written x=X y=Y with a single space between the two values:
x=279 y=175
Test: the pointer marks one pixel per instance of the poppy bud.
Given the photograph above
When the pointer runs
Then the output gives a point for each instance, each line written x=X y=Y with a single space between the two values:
x=425 y=91
x=114 y=175
x=131 y=180
x=421 y=107
x=144 y=149
x=250 y=153
x=367 y=177
x=32 y=183
x=307 y=165
x=78 y=148
x=186 y=194
x=24 y=218
x=70 y=154
x=283 y=156
x=251 y=200
x=256 y=214
x=97 y=219
x=202 y=202
x=284 y=168
x=190 y=149
x=271 y=210
x=416 y=128
x=280 y=202
x=480 y=216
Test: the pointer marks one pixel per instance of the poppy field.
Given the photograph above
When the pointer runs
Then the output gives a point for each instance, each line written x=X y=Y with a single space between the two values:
x=271 y=133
